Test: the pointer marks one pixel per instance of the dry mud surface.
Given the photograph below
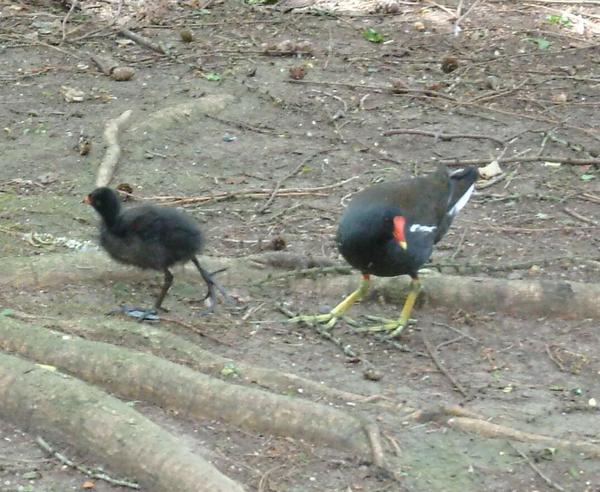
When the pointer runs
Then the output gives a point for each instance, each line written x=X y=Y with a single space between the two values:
x=525 y=88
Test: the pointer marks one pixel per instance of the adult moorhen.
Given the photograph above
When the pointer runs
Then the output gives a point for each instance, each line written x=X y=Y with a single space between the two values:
x=389 y=229
x=151 y=237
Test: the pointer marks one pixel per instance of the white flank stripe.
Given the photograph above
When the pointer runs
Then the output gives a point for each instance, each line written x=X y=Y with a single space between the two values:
x=458 y=206
x=422 y=228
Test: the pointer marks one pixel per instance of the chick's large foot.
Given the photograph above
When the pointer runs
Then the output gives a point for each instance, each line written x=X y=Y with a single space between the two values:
x=141 y=314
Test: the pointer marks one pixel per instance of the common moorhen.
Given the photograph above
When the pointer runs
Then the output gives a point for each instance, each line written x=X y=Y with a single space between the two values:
x=389 y=229
x=150 y=237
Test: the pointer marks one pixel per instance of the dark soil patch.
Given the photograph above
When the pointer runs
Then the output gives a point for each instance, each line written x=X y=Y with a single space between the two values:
x=540 y=221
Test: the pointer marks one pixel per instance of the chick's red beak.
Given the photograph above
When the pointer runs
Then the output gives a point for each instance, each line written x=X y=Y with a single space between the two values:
x=87 y=199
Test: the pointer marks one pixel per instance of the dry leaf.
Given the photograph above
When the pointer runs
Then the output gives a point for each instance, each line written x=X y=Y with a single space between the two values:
x=491 y=170
x=88 y=484
x=71 y=94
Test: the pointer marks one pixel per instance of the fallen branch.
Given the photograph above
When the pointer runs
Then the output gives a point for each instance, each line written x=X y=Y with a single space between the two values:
x=495 y=431
x=140 y=376
x=49 y=403
x=113 y=152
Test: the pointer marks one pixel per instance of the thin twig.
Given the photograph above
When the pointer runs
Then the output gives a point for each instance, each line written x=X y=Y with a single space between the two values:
x=66 y=19
x=243 y=126
x=441 y=136
x=83 y=469
x=377 y=88
x=142 y=41
x=555 y=359
x=533 y=466
x=456 y=330
x=194 y=329
x=306 y=272
x=291 y=174
x=580 y=217
x=563 y=160
x=461 y=389
x=259 y=193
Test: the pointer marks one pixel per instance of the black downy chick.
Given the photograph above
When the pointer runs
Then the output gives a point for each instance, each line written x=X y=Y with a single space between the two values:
x=150 y=237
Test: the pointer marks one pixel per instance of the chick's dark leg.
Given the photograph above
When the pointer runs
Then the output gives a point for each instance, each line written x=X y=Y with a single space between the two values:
x=212 y=285
x=165 y=288
x=330 y=319
x=150 y=314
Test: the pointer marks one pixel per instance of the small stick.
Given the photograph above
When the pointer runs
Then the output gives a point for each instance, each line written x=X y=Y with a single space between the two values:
x=461 y=389
x=306 y=272
x=315 y=191
x=456 y=330
x=533 y=466
x=377 y=88
x=194 y=329
x=243 y=126
x=563 y=160
x=66 y=19
x=293 y=173
x=141 y=40
x=441 y=136
x=449 y=342
x=83 y=469
x=580 y=217
x=113 y=152
x=555 y=359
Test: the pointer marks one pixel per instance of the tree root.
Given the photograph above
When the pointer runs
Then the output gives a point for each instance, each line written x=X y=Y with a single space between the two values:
x=561 y=299
x=48 y=403
x=141 y=376
x=113 y=152
x=177 y=349
x=495 y=431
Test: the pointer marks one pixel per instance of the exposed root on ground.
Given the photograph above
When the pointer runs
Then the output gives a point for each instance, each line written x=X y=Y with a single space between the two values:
x=525 y=298
x=113 y=151
x=495 y=431
x=140 y=376
x=42 y=401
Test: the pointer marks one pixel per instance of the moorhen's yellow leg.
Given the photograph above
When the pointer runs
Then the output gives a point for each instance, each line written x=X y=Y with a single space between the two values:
x=329 y=319
x=395 y=327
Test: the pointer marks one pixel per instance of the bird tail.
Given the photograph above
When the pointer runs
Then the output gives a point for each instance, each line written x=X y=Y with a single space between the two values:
x=462 y=184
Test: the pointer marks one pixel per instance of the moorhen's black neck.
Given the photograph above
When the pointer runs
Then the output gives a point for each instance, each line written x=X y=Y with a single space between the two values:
x=107 y=204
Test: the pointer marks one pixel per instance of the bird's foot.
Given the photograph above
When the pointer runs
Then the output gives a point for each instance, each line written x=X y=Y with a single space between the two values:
x=393 y=328
x=141 y=314
x=327 y=320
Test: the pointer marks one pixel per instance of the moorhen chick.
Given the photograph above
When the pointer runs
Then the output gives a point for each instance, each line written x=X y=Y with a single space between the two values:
x=389 y=229
x=151 y=237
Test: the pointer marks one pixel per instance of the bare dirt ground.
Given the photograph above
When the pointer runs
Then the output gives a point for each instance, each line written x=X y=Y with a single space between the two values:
x=525 y=88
